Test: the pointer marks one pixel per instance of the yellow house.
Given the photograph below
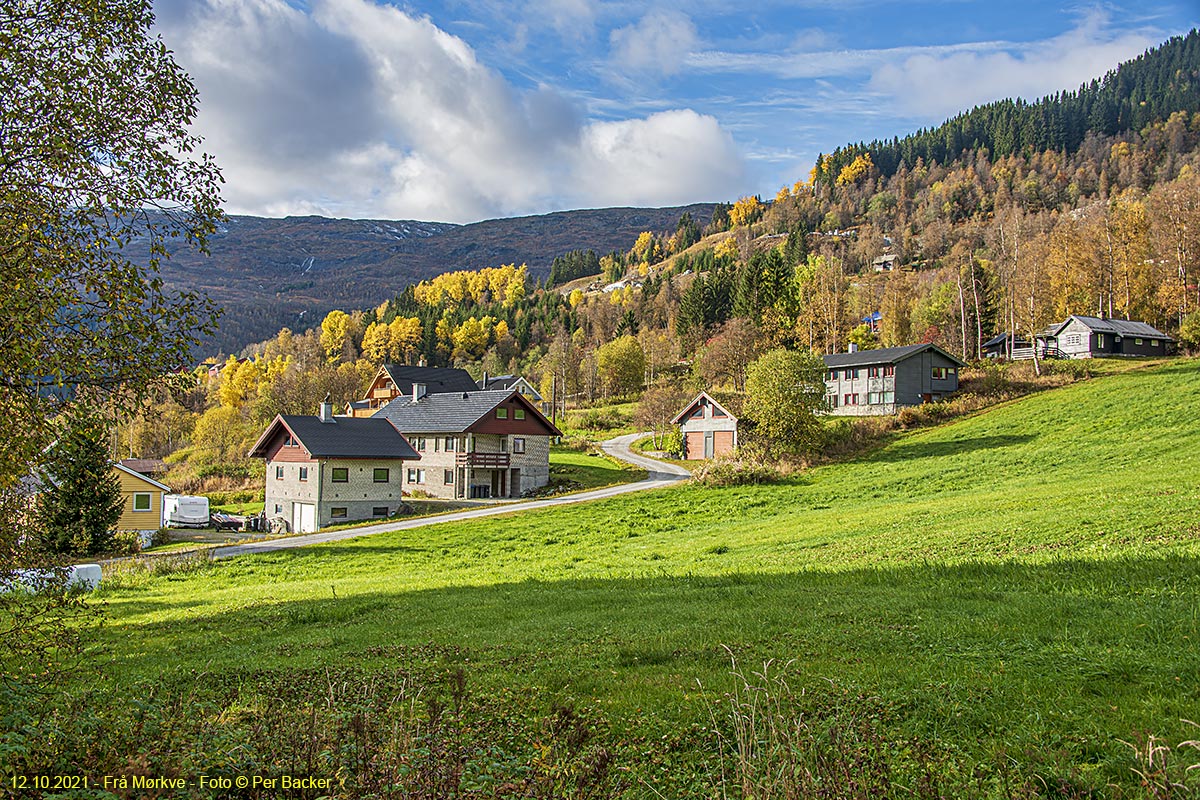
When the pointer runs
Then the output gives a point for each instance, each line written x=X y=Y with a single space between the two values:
x=143 y=509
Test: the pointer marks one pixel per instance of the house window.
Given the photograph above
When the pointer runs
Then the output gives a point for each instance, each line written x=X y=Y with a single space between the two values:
x=340 y=475
x=718 y=413
x=379 y=511
x=450 y=444
x=1154 y=342
x=832 y=375
x=416 y=475
x=279 y=473
x=832 y=400
x=1099 y=340
x=698 y=413
x=381 y=475
x=874 y=398
x=1073 y=340
x=501 y=413
x=518 y=445
x=278 y=508
x=872 y=372
x=518 y=413
x=850 y=399
x=1137 y=341
x=337 y=513
x=939 y=373
x=448 y=477
x=304 y=473
x=851 y=374
x=436 y=444
x=141 y=501
x=889 y=397
x=419 y=443
x=889 y=370
x=291 y=442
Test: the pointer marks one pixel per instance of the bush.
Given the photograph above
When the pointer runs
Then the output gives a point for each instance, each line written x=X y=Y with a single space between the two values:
x=735 y=472
x=672 y=442
x=126 y=543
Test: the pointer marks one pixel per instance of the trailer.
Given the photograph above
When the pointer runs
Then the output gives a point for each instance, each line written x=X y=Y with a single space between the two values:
x=185 y=511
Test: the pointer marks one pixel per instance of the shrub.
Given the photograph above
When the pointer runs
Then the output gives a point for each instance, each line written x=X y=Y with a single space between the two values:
x=160 y=537
x=126 y=543
x=735 y=472
x=672 y=442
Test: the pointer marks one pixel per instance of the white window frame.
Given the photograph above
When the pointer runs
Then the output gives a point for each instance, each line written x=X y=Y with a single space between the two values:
x=149 y=502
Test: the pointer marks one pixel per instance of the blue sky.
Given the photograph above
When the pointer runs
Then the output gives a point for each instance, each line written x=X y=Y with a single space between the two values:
x=459 y=111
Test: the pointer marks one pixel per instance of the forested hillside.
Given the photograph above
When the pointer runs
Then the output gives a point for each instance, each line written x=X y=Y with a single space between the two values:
x=979 y=245
x=266 y=274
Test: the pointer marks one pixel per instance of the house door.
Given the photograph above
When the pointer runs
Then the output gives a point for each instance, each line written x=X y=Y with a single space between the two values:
x=514 y=482
x=708 y=444
x=304 y=518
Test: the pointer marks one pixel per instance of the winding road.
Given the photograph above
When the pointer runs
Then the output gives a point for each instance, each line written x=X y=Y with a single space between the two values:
x=659 y=474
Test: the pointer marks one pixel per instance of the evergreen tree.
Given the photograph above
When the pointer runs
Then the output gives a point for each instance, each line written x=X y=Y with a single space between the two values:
x=81 y=502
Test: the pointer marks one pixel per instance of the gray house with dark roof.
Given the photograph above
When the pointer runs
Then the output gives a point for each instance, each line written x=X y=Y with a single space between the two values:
x=473 y=444
x=1091 y=337
x=322 y=470
x=867 y=382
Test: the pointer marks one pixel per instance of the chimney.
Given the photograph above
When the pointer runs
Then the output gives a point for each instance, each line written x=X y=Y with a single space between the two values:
x=483 y=382
x=853 y=348
x=422 y=362
x=326 y=412
x=418 y=391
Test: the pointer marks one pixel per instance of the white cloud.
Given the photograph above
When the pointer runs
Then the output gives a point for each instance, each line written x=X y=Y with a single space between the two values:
x=361 y=110
x=672 y=157
x=941 y=84
x=659 y=42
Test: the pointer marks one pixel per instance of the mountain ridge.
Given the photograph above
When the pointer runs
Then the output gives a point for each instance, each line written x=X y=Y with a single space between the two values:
x=266 y=273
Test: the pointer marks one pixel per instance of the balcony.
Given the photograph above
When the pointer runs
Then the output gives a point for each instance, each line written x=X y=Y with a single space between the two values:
x=483 y=460
x=383 y=394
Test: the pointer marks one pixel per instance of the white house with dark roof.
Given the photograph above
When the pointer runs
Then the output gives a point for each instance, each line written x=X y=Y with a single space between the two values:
x=1091 y=337
x=867 y=382
x=325 y=469
x=396 y=380
x=473 y=444
x=496 y=382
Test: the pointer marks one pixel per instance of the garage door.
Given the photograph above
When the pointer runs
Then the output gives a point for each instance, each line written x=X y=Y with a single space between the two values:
x=695 y=445
x=304 y=518
x=723 y=444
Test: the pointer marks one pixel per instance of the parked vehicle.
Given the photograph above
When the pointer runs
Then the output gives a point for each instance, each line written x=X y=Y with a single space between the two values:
x=185 y=511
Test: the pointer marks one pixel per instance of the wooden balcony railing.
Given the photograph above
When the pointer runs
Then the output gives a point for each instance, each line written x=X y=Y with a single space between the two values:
x=484 y=460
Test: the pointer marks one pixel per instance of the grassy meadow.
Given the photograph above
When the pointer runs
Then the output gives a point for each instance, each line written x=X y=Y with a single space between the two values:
x=1004 y=606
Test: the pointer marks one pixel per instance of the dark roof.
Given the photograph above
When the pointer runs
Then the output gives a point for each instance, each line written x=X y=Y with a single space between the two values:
x=341 y=437
x=146 y=466
x=499 y=382
x=1118 y=327
x=448 y=412
x=452 y=412
x=888 y=355
x=436 y=379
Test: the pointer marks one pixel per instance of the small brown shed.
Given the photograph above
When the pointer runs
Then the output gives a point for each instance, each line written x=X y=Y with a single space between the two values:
x=708 y=428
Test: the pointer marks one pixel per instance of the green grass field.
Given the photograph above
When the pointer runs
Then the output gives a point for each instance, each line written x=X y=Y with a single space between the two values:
x=1016 y=591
